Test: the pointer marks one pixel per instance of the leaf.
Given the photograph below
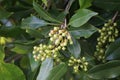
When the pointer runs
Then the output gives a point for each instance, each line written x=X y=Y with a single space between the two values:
x=21 y=49
x=84 y=31
x=85 y=3
x=57 y=72
x=107 y=70
x=33 y=64
x=33 y=23
x=74 y=48
x=113 y=51
x=10 y=72
x=45 y=15
x=108 y=4
x=4 y=14
x=45 y=69
x=2 y=54
x=81 y=17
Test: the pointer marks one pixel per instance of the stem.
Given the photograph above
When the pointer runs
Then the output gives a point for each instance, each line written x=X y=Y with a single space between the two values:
x=114 y=17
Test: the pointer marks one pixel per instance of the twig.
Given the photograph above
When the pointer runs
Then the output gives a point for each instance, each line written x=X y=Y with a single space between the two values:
x=114 y=17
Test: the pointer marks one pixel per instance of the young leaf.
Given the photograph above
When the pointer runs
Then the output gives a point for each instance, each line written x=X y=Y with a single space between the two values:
x=57 y=72
x=81 y=17
x=10 y=72
x=75 y=48
x=113 y=51
x=45 y=69
x=85 y=3
x=107 y=70
x=84 y=31
x=43 y=13
x=33 y=23
x=108 y=4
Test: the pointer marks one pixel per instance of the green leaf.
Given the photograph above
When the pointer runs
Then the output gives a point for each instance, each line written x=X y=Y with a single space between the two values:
x=21 y=49
x=84 y=31
x=113 y=51
x=45 y=15
x=10 y=72
x=57 y=72
x=4 y=14
x=81 y=17
x=33 y=64
x=107 y=70
x=45 y=2
x=45 y=69
x=33 y=23
x=74 y=48
x=85 y=3
x=108 y=4
x=2 y=54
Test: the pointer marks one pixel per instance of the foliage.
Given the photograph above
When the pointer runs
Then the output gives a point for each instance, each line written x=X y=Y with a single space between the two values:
x=59 y=40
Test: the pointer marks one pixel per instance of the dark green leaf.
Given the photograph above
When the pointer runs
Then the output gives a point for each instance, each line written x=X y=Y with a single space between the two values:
x=84 y=31
x=113 y=51
x=45 y=15
x=75 y=48
x=85 y=3
x=21 y=49
x=10 y=72
x=81 y=17
x=33 y=64
x=108 y=4
x=33 y=23
x=45 y=69
x=107 y=70
x=57 y=72
x=4 y=14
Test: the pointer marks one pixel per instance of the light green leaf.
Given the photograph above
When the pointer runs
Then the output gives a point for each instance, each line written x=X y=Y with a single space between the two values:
x=21 y=49
x=113 y=51
x=74 y=48
x=81 y=17
x=108 y=4
x=57 y=72
x=2 y=54
x=10 y=72
x=107 y=70
x=84 y=31
x=85 y=3
x=33 y=23
x=45 y=15
x=45 y=69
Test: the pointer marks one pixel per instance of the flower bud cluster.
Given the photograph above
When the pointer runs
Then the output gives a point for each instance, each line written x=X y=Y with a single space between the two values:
x=108 y=33
x=59 y=39
x=78 y=64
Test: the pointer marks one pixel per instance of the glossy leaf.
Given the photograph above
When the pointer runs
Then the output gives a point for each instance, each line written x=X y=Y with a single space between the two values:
x=84 y=31
x=57 y=72
x=108 y=4
x=85 y=3
x=45 y=69
x=33 y=23
x=81 y=17
x=33 y=64
x=113 y=51
x=75 y=48
x=10 y=72
x=107 y=70
x=21 y=49
x=45 y=15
